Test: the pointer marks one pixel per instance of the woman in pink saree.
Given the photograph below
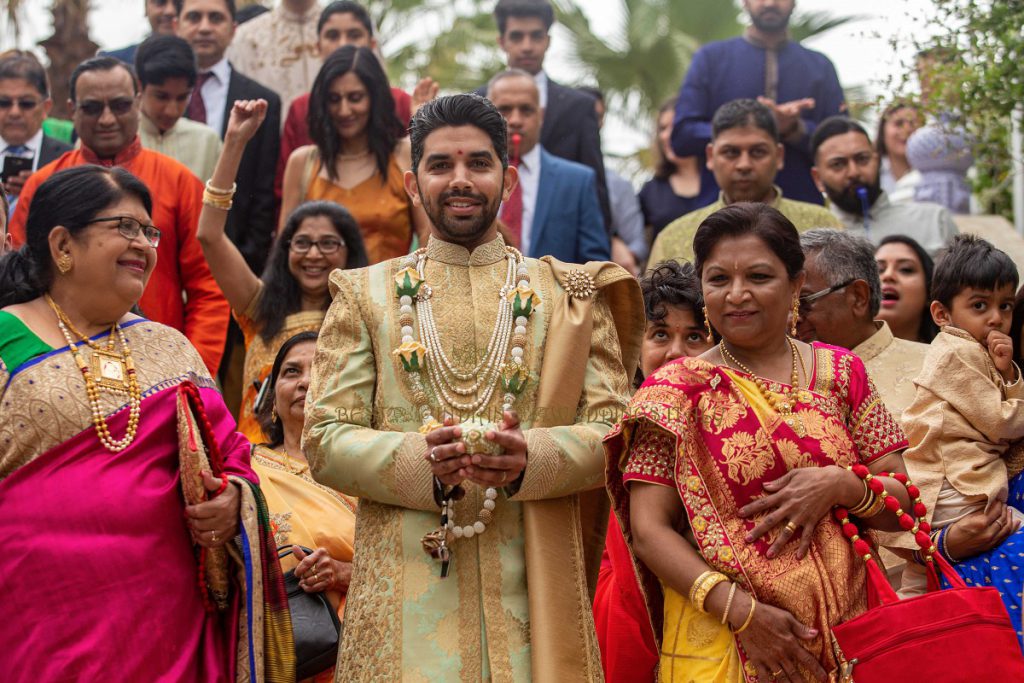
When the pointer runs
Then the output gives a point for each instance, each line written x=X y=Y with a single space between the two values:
x=107 y=574
x=726 y=467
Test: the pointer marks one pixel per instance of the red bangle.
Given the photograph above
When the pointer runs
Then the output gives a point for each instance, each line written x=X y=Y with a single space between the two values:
x=223 y=485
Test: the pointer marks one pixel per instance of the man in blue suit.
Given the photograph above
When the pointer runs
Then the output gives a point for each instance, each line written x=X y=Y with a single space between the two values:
x=554 y=210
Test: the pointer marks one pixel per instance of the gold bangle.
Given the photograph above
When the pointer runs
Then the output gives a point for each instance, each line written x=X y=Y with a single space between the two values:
x=728 y=603
x=877 y=505
x=865 y=505
x=750 y=617
x=864 y=498
x=698 y=581
x=701 y=593
x=218 y=192
x=217 y=202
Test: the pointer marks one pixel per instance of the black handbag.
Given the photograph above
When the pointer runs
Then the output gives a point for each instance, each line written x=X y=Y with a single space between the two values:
x=315 y=625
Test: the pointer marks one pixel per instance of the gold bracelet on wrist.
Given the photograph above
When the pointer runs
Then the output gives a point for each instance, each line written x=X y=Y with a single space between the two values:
x=864 y=499
x=876 y=507
x=728 y=603
x=865 y=505
x=217 y=202
x=701 y=594
x=698 y=581
x=750 y=617
x=218 y=192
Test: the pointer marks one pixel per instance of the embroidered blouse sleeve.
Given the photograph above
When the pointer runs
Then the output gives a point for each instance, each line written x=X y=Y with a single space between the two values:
x=651 y=456
x=874 y=430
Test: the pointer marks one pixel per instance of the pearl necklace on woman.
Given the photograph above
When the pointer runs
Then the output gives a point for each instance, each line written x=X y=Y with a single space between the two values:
x=463 y=391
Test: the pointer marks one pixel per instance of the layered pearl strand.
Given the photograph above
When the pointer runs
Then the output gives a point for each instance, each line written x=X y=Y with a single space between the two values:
x=463 y=391
x=784 y=402
x=92 y=388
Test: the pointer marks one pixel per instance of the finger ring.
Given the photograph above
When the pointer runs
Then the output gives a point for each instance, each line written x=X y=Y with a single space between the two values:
x=433 y=456
x=791 y=528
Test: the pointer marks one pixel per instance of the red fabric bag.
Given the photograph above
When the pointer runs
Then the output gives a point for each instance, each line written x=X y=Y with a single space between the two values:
x=957 y=635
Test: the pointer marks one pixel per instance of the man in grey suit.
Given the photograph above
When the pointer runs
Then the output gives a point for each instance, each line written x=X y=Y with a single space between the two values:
x=24 y=104
x=570 y=122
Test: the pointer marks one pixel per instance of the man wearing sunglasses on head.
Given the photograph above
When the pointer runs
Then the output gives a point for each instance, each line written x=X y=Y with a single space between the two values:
x=24 y=104
x=181 y=293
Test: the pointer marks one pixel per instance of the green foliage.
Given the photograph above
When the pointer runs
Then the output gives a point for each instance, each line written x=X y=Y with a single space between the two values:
x=977 y=77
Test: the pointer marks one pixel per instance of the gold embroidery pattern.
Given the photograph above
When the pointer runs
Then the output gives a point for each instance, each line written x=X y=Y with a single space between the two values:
x=371 y=648
x=45 y=405
x=281 y=525
x=719 y=411
x=747 y=456
x=651 y=456
x=701 y=630
x=876 y=432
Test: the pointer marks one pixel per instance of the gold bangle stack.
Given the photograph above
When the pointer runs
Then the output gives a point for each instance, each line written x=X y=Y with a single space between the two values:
x=702 y=586
x=218 y=198
x=870 y=504
x=750 y=617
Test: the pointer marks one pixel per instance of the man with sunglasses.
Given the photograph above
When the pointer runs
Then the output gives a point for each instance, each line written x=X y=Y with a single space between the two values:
x=181 y=293
x=24 y=104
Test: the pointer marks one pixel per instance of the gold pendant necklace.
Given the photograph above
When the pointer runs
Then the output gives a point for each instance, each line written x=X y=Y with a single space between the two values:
x=784 y=402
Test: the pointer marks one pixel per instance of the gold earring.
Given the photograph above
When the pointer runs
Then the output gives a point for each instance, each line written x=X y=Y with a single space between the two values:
x=707 y=324
x=64 y=264
x=273 y=413
x=796 y=316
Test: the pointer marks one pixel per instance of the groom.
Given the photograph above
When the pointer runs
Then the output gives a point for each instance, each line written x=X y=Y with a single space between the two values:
x=533 y=357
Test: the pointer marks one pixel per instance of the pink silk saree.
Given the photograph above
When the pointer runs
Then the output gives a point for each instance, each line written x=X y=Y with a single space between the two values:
x=98 y=575
x=727 y=443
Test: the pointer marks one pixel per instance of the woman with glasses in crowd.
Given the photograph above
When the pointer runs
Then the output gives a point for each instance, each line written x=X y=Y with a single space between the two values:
x=291 y=296
x=107 y=573
x=359 y=156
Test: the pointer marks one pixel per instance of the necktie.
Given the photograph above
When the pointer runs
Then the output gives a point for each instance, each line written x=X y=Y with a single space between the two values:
x=17 y=151
x=196 y=107
x=512 y=211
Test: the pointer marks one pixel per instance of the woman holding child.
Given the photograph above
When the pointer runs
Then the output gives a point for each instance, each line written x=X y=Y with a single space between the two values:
x=726 y=467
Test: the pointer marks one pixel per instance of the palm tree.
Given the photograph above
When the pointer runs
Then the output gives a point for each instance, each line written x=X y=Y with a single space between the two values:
x=69 y=44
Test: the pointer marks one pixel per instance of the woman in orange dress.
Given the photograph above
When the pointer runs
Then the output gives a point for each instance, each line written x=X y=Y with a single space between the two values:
x=359 y=156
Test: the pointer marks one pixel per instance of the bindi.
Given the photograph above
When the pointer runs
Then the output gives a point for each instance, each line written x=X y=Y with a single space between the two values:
x=459 y=152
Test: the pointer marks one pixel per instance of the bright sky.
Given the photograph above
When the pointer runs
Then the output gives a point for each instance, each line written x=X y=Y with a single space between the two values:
x=862 y=51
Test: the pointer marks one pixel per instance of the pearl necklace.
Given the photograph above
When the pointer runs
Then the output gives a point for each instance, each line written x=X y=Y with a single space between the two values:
x=116 y=372
x=453 y=387
x=784 y=402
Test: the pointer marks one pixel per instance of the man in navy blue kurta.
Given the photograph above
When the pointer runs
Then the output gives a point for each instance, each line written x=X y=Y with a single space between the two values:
x=798 y=84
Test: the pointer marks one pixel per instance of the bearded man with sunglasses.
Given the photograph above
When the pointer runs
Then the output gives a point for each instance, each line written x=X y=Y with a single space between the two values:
x=181 y=293
x=24 y=104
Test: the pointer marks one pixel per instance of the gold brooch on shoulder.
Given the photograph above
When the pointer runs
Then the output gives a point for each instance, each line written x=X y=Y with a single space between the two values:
x=580 y=285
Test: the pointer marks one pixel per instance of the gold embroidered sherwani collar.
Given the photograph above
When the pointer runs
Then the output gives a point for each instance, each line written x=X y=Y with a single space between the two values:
x=876 y=343
x=454 y=254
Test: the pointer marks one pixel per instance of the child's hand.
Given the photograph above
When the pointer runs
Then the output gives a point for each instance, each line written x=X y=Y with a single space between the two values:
x=1000 y=348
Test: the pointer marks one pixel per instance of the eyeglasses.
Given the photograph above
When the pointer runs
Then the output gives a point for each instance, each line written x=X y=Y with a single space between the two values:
x=94 y=109
x=807 y=302
x=23 y=103
x=131 y=227
x=327 y=245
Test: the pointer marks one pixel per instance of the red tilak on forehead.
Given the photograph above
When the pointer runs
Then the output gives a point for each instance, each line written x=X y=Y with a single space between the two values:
x=460 y=152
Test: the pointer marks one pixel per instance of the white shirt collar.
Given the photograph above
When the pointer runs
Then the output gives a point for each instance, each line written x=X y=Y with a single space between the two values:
x=531 y=160
x=221 y=71
x=34 y=143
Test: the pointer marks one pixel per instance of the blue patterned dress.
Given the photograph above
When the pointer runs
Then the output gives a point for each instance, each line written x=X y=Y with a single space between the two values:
x=1003 y=566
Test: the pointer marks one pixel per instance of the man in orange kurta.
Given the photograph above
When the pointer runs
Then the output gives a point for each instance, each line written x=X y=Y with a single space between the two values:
x=181 y=292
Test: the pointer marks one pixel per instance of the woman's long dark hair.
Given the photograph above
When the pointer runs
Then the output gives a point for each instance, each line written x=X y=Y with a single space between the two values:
x=70 y=198
x=281 y=294
x=927 y=330
x=383 y=129
x=272 y=426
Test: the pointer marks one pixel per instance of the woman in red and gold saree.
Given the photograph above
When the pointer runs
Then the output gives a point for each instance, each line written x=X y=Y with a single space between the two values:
x=102 y=565
x=714 y=469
